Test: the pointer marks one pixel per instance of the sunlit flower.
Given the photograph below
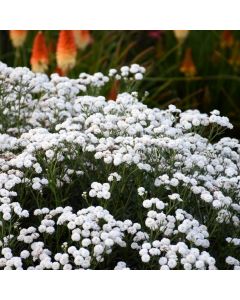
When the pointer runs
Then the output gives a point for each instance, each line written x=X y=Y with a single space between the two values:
x=181 y=35
x=82 y=38
x=39 y=58
x=227 y=39
x=66 y=50
x=188 y=67
x=18 y=37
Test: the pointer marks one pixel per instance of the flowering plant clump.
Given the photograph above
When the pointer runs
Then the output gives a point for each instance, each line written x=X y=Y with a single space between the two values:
x=91 y=183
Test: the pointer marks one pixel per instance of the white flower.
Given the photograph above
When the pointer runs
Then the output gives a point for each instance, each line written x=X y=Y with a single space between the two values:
x=160 y=205
x=36 y=186
x=206 y=197
x=49 y=153
x=98 y=250
x=64 y=259
x=172 y=263
x=141 y=191
x=145 y=258
x=199 y=264
x=55 y=265
x=138 y=76
x=147 y=203
x=6 y=216
x=24 y=254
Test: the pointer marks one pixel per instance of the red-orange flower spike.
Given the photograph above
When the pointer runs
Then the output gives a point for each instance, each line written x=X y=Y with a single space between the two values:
x=18 y=37
x=188 y=67
x=82 y=38
x=181 y=35
x=114 y=91
x=227 y=39
x=66 y=50
x=39 y=58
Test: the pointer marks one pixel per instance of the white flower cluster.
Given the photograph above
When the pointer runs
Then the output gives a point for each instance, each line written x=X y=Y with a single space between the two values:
x=233 y=262
x=170 y=256
x=20 y=108
x=114 y=176
x=133 y=72
x=81 y=178
x=100 y=190
x=95 y=80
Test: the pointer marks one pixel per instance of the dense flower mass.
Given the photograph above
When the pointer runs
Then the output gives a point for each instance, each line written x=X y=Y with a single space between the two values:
x=90 y=183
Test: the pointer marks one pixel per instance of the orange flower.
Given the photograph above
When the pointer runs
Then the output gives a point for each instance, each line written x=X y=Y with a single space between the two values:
x=66 y=50
x=227 y=39
x=181 y=35
x=82 y=38
x=39 y=58
x=188 y=67
x=18 y=37
x=114 y=91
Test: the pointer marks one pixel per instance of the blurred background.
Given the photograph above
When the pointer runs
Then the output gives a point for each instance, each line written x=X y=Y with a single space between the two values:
x=190 y=69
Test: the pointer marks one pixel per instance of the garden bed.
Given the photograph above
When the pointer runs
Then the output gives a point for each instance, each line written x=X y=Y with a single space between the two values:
x=90 y=182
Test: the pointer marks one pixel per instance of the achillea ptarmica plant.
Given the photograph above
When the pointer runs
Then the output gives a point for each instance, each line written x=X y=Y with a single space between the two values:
x=90 y=183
